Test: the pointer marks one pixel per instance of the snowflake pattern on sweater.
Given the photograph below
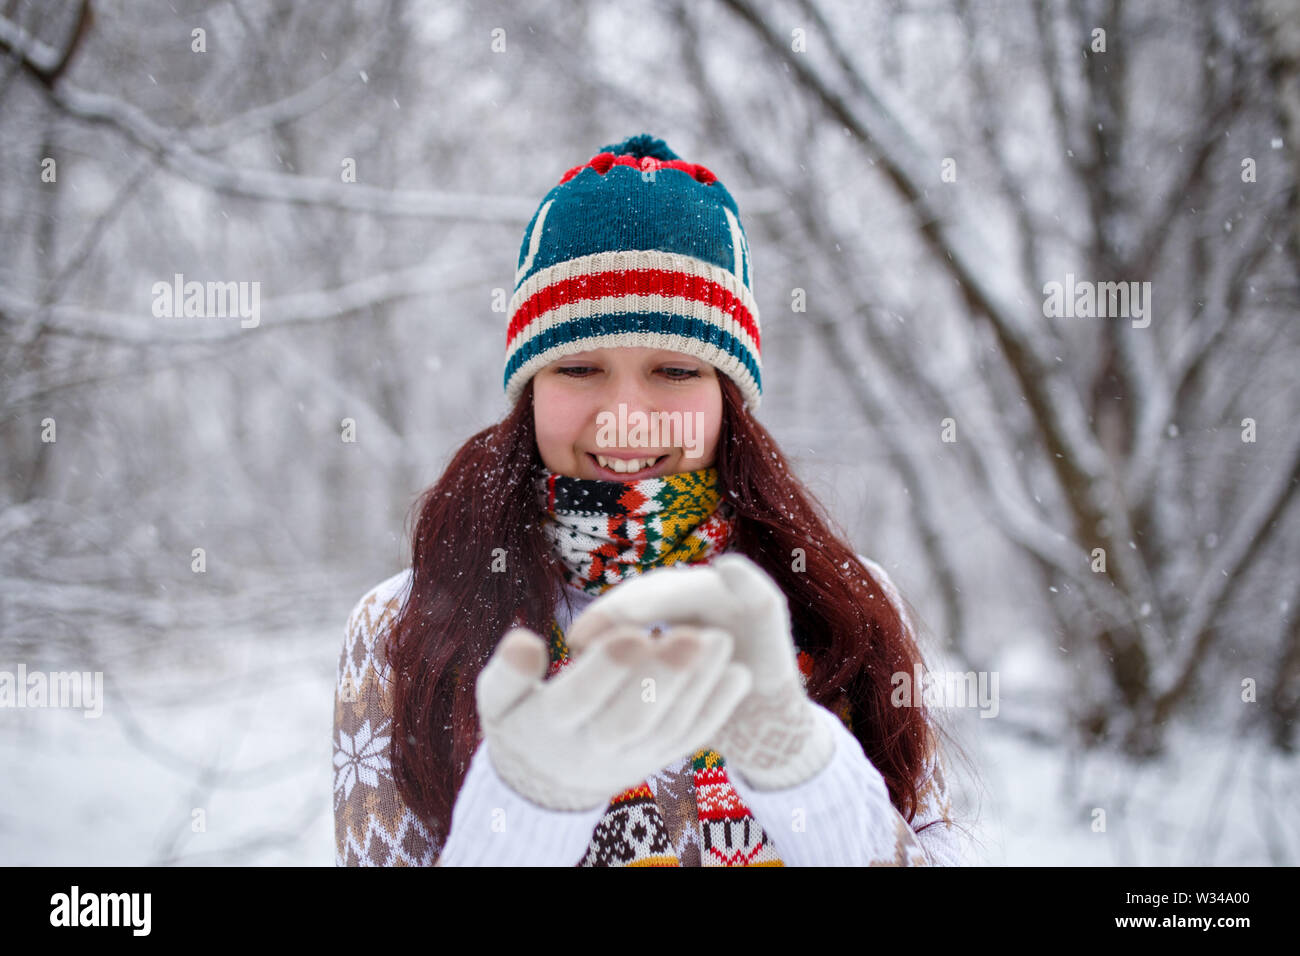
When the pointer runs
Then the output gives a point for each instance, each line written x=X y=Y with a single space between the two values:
x=687 y=814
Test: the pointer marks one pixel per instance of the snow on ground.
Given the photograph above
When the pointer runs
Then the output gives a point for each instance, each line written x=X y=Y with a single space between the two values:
x=1209 y=802
x=243 y=736
x=242 y=731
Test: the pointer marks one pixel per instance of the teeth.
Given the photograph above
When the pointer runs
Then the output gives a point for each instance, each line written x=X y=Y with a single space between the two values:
x=625 y=467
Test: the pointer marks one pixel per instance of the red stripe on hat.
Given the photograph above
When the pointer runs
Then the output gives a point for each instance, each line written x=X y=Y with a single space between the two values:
x=601 y=163
x=598 y=285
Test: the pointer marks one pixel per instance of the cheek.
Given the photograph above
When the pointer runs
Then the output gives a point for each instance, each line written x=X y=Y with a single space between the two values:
x=713 y=423
x=713 y=415
x=559 y=420
x=705 y=411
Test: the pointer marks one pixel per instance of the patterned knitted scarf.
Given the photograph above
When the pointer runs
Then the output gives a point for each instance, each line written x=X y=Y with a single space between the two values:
x=604 y=532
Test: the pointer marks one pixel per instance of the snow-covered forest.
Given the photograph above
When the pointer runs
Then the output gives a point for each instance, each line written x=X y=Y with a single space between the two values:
x=1028 y=273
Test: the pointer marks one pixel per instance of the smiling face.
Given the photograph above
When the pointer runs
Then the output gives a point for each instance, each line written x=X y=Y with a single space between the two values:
x=676 y=397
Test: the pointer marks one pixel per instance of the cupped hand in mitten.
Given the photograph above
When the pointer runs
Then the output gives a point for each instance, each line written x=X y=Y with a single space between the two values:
x=617 y=713
x=774 y=738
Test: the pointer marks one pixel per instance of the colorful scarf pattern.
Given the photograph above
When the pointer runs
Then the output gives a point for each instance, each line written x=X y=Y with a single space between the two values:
x=688 y=814
x=605 y=531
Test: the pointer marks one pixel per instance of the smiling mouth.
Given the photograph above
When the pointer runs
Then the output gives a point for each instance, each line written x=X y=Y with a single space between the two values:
x=611 y=469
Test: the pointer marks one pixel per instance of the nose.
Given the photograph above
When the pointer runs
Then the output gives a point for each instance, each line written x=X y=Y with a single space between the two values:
x=627 y=397
x=631 y=390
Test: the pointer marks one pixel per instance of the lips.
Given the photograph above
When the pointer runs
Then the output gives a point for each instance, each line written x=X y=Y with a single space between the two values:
x=609 y=474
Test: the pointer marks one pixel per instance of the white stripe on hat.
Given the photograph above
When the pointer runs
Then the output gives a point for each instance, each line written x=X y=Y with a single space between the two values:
x=626 y=260
x=737 y=244
x=534 y=242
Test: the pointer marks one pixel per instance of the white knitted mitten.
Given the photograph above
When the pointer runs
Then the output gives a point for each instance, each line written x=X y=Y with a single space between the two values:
x=597 y=728
x=773 y=738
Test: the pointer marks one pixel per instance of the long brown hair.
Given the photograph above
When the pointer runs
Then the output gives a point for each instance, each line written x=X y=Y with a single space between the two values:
x=482 y=511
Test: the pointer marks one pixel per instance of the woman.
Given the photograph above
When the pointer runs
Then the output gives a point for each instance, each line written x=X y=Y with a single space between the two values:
x=628 y=636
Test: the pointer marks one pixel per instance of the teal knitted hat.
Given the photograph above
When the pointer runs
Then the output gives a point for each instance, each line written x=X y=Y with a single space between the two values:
x=635 y=247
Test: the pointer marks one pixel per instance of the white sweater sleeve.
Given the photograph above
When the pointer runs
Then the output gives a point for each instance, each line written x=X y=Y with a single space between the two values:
x=491 y=825
x=843 y=815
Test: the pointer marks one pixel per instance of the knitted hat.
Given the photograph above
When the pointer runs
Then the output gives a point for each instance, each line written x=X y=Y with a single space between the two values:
x=637 y=248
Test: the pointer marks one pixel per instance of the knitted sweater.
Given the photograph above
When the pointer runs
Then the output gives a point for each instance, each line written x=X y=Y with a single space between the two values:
x=842 y=816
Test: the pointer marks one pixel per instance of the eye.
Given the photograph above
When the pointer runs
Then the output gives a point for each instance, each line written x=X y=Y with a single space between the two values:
x=675 y=373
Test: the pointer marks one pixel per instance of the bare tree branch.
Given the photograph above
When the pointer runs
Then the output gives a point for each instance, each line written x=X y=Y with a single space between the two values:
x=1247 y=541
x=1072 y=452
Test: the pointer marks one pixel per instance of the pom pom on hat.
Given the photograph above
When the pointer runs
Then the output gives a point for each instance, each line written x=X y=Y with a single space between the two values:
x=643 y=144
